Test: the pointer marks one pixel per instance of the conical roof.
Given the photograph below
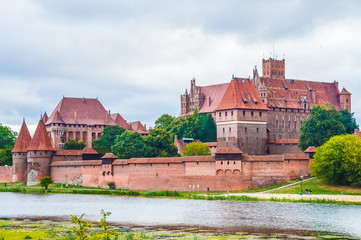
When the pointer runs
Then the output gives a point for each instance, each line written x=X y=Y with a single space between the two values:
x=23 y=140
x=41 y=139
x=45 y=117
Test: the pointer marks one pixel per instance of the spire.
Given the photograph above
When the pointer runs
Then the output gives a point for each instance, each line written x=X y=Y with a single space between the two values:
x=45 y=117
x=345 y=92
x=41 y=139
x=23 y=140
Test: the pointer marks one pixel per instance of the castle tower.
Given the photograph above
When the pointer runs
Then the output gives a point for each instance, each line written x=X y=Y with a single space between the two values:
x=39 y=154
x=273 y=68
x=345 y=100
x=57 y=129
x=19 y=154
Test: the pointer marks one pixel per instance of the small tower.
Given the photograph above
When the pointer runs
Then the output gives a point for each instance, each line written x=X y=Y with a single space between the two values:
x=345 y=100
x=39 y=154
x=19 y=154
x=273 y=68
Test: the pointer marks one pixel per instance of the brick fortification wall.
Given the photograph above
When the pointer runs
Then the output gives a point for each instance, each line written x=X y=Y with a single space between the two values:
x=184 y=173
x=6 y=174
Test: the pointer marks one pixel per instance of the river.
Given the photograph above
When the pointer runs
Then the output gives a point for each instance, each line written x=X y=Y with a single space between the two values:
x=223 y=215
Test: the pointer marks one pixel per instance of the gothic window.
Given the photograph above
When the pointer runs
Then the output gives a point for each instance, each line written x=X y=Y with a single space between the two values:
x=283 y=124
x=295 y=124
x=277 y=124
x=289 y=124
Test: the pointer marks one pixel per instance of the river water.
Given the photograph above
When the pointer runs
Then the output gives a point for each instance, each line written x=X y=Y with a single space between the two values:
x=223 y=215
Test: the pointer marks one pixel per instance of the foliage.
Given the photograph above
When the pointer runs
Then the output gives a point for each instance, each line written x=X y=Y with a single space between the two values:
x=104 y=144
x=160 y=143
x=196 y=149
x=196 y=126
x=323 y=123
x=107 y=231
x=7 y=142
x=74 y=145
x=82 y=228
x=45 y=182
x=130 y=145
x=339 y=160
x=111 y=185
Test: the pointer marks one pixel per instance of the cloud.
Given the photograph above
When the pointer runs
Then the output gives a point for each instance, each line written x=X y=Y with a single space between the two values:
x=137 y=57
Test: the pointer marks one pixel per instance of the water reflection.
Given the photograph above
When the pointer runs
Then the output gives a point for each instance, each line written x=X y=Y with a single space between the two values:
x=216 y=214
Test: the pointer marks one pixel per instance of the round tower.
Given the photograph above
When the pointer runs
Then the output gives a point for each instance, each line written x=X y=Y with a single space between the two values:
x=39 y=155
x=19 y=154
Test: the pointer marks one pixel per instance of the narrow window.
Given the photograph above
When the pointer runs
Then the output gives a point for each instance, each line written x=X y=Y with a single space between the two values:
x=225 y=114
x=244 y=113
x=220 y=114
x=229 y=129
x=251 y=113
x=231 y=113
x=260 y=114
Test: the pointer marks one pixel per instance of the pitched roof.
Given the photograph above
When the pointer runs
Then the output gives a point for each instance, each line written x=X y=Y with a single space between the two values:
x=345 y=92
x=109 y=156
x=241 y=94
x=289 y=93
x=89 y=150
x=23 y=140
x=57 y=118
x=119 y=120
x=212 y=96
x=87 y=111
x=310 y=149
x=138 y=127
x=63 y=152
x=41 y=139
x=228 y=150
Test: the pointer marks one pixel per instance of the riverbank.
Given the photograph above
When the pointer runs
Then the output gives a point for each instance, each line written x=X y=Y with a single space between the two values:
x=279 y=193
x=63 y=230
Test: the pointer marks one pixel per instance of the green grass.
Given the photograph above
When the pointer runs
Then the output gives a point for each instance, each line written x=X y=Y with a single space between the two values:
x=319 y=187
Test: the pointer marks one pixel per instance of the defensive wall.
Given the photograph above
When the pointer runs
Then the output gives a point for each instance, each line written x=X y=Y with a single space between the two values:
x=6 y=174
x=183 y=173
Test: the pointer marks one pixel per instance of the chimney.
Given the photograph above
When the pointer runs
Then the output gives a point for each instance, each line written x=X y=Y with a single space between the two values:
x=83 y=99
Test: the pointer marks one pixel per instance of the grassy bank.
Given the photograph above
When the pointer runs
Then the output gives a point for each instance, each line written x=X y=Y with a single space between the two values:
x=317 y=186
x=45 y=229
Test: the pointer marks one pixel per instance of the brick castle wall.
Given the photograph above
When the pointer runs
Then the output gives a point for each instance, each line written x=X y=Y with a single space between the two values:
x=6 y=174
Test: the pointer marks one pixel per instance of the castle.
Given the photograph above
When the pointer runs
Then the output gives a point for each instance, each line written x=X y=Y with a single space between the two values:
x=262 y=115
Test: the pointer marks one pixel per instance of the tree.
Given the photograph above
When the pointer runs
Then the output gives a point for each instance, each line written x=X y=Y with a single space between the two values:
x=104 y=144
x=74 y=145
x=160 y=143
x=129 y=145
x=107 y=231
x=82 y=228
x=323 y=123
x=45 y=182
x=7 y=142
x=196 y=149
x=339 y=160
x=165 y=122
x=208 y=131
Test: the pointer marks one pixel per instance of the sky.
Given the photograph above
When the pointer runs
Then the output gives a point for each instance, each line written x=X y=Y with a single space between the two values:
x=137 y=57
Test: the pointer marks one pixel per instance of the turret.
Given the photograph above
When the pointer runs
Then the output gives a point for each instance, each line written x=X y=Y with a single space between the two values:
x=19 y=154
x=345 y=100
x=273 y=68
x=39 y=154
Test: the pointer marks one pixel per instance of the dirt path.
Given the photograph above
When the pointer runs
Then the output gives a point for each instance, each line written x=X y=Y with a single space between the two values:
x=291 y=184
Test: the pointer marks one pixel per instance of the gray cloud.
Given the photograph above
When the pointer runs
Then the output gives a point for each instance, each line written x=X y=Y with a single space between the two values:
x=138 y=56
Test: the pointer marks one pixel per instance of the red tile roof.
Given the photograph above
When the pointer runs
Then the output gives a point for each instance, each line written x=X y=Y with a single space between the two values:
x=41 y=139
x=289 y=93
x=345 y=92
x=211 y=144
x=89 y=150
x=228 y=150
x=87 y=111
x=23 y=140
x=310 y=149
x=45 y=117
x=284 y=141
x=241 y=94
x=138 y=127
x=69 y=152
x=357 y=133
x=109 y=156
x=120 y=121
x=213 y=95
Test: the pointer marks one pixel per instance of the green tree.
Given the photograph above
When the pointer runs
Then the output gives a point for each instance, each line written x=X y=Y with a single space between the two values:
x=188 y=126
x=208 y=131
x=7 y=142
x=196 y=149
x=323 y=123
x=129 y=145
x=46 y=181
x=165 y=122
x=104 y=144
x=160 y=143
x=74 y=145
x=339 y=160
